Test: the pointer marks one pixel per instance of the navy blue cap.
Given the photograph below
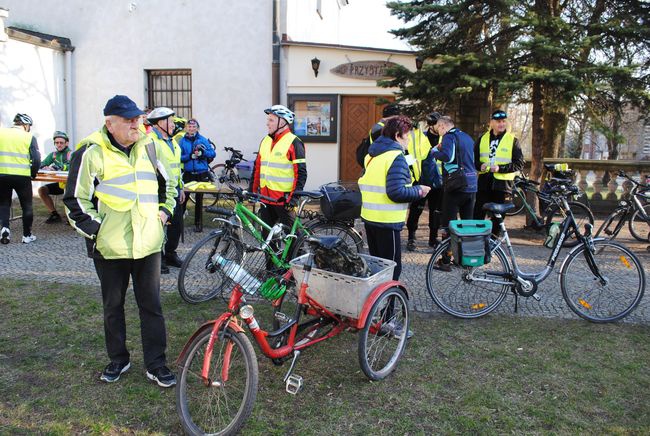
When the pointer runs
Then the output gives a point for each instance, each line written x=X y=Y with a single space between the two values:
x=122 y=106
x=499 y=115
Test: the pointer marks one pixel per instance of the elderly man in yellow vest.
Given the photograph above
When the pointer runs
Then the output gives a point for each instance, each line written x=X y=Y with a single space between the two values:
x=19 y=163
x=119 y=196
x=498 y=158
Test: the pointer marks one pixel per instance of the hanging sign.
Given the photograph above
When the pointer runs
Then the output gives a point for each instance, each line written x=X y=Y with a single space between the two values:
x=364 y=70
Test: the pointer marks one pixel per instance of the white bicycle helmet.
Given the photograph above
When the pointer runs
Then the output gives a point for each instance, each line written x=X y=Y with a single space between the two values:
x=159 y=113
x=23 y=119
x=281 y=111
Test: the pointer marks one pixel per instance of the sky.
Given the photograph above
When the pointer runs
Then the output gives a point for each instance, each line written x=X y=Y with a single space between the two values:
x=363 y=23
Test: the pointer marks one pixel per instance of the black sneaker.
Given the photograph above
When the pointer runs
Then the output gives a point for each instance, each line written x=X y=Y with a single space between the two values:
x=433 y=243
x=53 y=218
x=172 y=259
x=164 y=269
x=113 y=371
x=163 y=376
x=410 y=245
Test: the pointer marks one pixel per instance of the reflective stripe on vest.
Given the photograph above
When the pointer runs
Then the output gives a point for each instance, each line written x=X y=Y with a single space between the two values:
x=503 y=155
x=376 y=206
x=14 y=152
x=276 y=171
x=125 y=185
x=381 y=123
x=173 y=157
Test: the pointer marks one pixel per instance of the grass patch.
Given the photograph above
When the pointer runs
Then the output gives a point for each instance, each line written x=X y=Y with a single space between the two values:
x=495 y=375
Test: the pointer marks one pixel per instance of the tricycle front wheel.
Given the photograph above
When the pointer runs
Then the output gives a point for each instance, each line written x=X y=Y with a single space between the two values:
x=223 y=406
x=383 y=338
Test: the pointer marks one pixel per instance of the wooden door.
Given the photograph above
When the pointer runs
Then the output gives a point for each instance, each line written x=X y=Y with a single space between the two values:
x=358 y=115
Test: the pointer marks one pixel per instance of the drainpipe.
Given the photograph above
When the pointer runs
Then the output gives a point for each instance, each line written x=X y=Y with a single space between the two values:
x=275 y=68
x=69 y=110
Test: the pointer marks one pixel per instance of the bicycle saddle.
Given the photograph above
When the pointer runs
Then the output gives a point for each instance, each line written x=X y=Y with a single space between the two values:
x=327 y=242
x=498 y=207
x=310 y=194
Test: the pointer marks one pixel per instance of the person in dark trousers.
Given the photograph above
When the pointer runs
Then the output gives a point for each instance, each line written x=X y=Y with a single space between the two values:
x=116 y=201
x=58 y=160
x=196 y=153
x=20 y=160
x=498 y=159
x=161 y=120
x=280 y=167
x=455 y=150
x=386 y=190
x=431 y=175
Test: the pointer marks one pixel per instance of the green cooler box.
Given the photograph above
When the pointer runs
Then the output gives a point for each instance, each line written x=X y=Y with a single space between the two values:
x=470 y=241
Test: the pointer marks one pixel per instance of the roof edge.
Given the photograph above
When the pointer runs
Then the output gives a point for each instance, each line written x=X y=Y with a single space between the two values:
x=286 y=42
x=40 y=39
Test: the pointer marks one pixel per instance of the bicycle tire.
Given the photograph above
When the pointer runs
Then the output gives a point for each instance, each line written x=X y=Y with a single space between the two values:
x=597 y=302
x=229 y=175
x=379 y=352
x=457 y=296
x=328 y=228
x=197 y=404
x=199 y=280
x=206 y=196
x=639 y=228
x=519 y=204
x=581 y=213
x=610 y=228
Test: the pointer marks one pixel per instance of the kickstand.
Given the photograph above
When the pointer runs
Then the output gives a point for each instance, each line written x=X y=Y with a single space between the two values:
x=516 y=302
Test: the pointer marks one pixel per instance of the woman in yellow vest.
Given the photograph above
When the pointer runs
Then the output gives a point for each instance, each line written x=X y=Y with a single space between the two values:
x=386 y=191
x=19 y=163
x=498 y=158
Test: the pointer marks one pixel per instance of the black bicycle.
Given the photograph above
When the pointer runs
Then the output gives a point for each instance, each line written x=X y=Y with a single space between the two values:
x=228 y=173
x=633 y=210
x=601 y=280
x=552 y=211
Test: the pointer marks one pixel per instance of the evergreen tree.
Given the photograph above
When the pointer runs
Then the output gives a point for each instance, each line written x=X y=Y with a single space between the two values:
x=545 y=52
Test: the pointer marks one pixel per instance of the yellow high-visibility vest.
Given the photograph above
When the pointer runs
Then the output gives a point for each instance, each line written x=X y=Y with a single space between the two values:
x=376 y=206
x=14 y=152
x=124 y=185
x=418 y=147
x=503 y=155
x=173 y=156
x=276 y=171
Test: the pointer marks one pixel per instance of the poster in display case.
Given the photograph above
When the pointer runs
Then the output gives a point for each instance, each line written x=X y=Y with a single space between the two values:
x=316 y=117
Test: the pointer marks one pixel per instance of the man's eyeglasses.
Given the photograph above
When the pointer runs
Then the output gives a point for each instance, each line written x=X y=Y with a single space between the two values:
x=59 y=142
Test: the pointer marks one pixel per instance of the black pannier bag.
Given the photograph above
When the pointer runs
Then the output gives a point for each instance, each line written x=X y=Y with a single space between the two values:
x=341 y=201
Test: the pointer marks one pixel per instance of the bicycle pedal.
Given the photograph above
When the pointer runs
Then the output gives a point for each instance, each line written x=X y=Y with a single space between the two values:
x=294 y=384
x=537 y=297
x=282 y=317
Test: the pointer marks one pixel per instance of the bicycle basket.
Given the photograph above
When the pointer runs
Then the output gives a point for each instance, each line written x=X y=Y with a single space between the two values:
x=341 y=201
x=340 y=293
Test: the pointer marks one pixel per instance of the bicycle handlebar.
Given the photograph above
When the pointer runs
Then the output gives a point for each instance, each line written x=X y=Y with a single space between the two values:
x=247 y=195
x=621 y=173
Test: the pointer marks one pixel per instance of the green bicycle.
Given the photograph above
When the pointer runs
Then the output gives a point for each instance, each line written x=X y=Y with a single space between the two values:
x=201 y=279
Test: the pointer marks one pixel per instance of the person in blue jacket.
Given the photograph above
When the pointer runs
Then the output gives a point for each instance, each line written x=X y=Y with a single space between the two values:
x=196 y=152
x=459 y=202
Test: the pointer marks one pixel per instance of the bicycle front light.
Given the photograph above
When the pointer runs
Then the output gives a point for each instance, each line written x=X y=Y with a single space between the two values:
x=246 y=312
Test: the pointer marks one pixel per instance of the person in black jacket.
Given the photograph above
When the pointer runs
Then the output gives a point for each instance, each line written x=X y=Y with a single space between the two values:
x=498 y=158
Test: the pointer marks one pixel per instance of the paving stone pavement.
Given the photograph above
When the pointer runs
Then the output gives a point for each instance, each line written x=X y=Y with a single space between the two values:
x=59 y=255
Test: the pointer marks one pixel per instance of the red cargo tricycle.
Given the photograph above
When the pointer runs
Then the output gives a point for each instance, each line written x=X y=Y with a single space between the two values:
x=217 y=368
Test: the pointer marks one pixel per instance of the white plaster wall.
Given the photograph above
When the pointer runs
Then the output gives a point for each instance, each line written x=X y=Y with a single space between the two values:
x=298 y=78
x=226 y=44
x=31 y=82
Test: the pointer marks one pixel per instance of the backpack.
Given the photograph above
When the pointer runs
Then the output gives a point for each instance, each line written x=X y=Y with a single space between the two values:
x=362 y=150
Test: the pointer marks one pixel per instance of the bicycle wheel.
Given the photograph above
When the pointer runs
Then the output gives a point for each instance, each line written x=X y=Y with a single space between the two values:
x=456 y=293
x=518 y=201
x=223 y=406
x=329 y=228
x=200 y=279
x=640 y=228
x=228 y=175
x=612 y=225
x=581 y=213
x=593 y=300
x=383 y=338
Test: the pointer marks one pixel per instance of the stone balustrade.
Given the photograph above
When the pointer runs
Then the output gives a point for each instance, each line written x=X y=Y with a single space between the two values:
x=598 y=178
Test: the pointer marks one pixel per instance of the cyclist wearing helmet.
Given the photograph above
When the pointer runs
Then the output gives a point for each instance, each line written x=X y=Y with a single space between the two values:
x=19 y=163
x=280 y=167
x=58 y=160
x=161 y=120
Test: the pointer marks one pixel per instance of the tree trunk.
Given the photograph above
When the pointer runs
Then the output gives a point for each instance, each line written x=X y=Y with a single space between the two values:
x=537 y=144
